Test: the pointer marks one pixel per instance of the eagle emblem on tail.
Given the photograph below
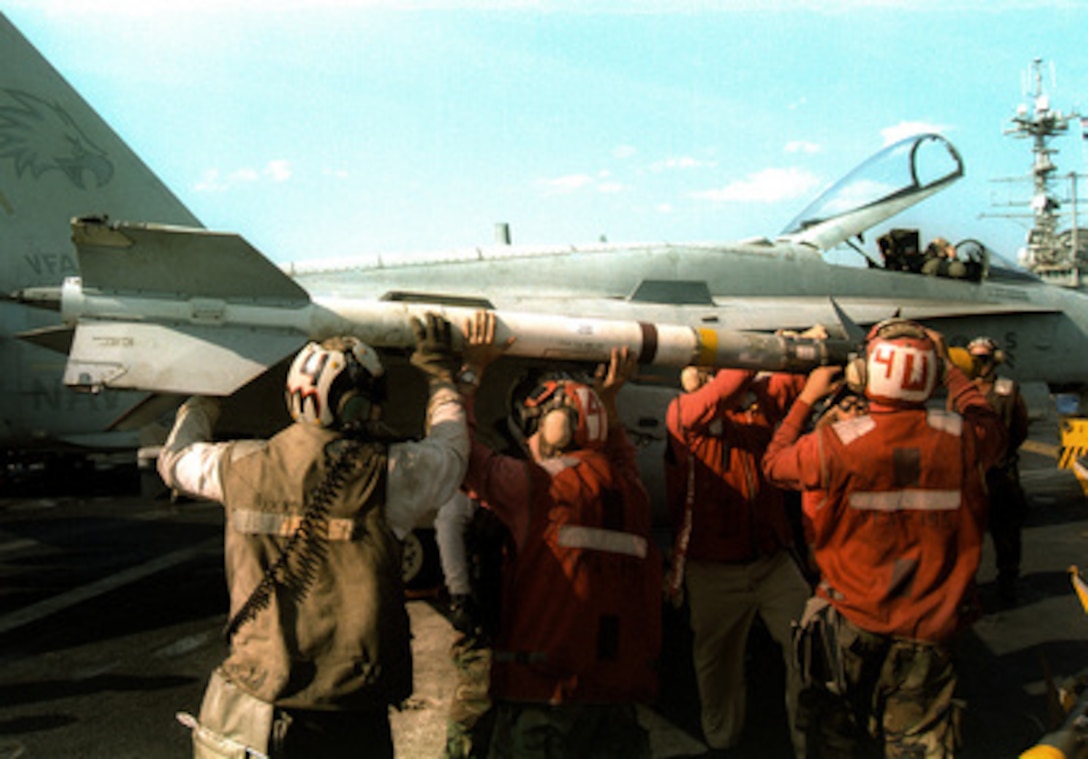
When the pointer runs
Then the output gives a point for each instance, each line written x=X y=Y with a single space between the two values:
x=40 y=137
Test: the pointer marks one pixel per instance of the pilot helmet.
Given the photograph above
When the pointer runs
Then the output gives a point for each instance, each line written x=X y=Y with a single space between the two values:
x=901 y=366
x=568 y=415
x=335 y=383
x=946 y=248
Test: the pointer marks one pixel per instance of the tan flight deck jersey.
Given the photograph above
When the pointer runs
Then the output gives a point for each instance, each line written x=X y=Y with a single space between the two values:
x=343 y=642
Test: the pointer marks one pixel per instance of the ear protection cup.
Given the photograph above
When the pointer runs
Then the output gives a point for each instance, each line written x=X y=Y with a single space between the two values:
x=963 y=360
x=555 y=428
x=694 y=377
x=324 y=376
x=855 y=375
x=354 y=407
x=587 y=422
x=530 y=410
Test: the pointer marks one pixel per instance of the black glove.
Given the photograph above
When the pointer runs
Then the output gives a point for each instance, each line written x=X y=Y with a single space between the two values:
x=434 y=349
x=464 y=615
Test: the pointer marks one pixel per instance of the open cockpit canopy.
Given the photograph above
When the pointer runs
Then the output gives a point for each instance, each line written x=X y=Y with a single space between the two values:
x=892 y=180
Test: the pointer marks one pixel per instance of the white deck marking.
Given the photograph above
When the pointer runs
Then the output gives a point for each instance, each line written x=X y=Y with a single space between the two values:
x=51 y=606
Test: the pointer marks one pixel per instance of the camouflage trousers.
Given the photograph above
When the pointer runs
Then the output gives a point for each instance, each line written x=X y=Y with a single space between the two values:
x=469 y=724
x=568 y=731
x=885 y=697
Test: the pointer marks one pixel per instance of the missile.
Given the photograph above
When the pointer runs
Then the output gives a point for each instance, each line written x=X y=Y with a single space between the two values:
x=197 y=346
x=230 y=314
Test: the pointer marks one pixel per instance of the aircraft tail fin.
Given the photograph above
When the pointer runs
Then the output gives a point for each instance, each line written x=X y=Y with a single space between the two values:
x=59 y=160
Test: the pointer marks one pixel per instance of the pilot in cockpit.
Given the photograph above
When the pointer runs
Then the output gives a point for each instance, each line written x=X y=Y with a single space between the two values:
x=941 y=261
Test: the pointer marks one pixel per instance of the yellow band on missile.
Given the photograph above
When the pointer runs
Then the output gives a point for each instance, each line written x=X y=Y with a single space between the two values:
x=708 y=347
x=1043 y=752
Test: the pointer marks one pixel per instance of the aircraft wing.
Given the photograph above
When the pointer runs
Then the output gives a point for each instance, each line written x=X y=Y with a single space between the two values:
x=872 y=310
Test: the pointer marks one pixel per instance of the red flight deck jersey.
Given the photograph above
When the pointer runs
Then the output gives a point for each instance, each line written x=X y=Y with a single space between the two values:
x=737 y=516
x=580 y=618
x=895 y=504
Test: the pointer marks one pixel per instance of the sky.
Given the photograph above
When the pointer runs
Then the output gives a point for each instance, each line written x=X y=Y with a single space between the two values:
x=333 y=128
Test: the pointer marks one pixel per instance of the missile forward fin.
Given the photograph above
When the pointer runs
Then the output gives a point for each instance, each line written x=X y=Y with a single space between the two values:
x=175 y=358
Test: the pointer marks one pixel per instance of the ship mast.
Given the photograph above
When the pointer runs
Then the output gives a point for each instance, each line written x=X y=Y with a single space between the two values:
x=1050 y=254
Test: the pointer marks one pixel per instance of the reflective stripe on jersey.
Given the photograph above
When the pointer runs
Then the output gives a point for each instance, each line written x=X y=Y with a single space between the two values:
x=253 y=522
x=596 y=539
x=850 y=430
x=945 y=421
x=906 y=500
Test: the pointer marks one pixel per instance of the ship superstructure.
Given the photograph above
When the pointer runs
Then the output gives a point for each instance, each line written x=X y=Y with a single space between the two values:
x=1056 y=249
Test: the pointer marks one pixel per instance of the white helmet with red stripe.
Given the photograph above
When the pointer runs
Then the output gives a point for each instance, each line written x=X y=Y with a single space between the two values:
x=902 y=367
x=567 y=414
x=335 y=382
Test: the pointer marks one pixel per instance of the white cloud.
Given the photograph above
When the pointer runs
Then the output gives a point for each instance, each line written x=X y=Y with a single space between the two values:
x=766 y=186
x=245 y=175
x=278 y=170
x=624 y=151
x=571 y=183
x=802 y=146
x=213 y=180
x=679 y=162
x=565 y=184
x=905 y=129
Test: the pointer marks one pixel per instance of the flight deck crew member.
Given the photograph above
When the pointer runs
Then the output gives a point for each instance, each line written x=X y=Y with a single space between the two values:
x=1008 y=503
x=580 y=621
x=318 y=630
x=471 y=546
x=733 y=537
x=897 y=526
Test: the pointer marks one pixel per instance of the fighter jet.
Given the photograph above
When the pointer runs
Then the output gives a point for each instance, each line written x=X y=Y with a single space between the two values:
x=190 y=311
x=152 y=298
x=57 y=160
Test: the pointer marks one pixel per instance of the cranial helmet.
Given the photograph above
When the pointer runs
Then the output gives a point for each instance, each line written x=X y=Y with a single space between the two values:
x=335 y=382
x=567 y=414
x=986 y=355
x=901 y=366
x=987 y=348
